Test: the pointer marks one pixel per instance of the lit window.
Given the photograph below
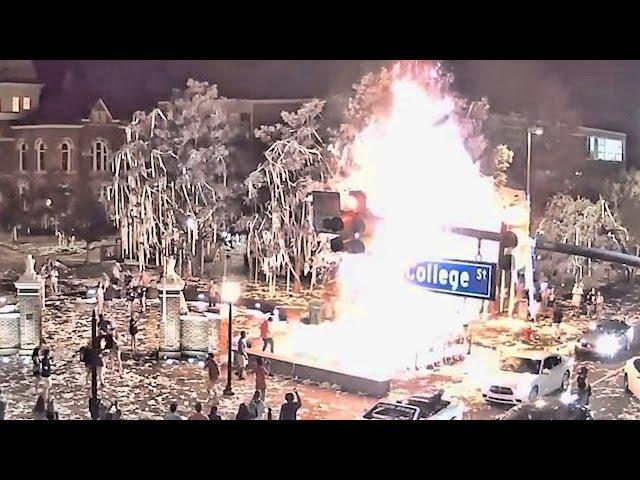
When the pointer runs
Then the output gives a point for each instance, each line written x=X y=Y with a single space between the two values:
x=100 y=154
x=65 y=156
x=605 y=149
x=40 y=152
x=15 y=104
x=26 y=103
x=22 y=157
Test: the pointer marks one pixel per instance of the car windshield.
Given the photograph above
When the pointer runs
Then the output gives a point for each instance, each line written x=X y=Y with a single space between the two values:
x=391 y=412
x=520 y=365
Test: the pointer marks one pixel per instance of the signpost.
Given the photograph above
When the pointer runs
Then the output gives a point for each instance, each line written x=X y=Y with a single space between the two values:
x=455 y=277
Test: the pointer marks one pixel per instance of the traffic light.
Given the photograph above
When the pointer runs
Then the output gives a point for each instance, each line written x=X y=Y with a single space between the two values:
x=348 y=225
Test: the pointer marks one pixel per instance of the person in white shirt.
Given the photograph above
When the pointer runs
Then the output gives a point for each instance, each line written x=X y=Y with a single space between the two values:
x=54 y=280
x=257 y=407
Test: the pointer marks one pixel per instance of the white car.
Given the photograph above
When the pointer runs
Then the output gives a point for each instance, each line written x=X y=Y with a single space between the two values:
x=417 y=408
x=632 y=376
x=526 y=376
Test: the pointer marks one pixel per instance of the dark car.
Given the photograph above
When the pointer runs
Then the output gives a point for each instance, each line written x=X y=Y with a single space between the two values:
x=552 y=410
x=606 y=339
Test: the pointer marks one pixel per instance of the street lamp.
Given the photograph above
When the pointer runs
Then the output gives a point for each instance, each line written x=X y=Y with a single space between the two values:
x=229 y=293
x=531 y=131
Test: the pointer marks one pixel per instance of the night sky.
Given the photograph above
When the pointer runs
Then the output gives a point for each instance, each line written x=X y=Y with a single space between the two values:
x=602 y=94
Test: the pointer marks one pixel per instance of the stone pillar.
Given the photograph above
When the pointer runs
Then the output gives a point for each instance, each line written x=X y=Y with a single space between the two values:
x=9 y=333
x=170 y=321
x=198 y=335
x=31 y=301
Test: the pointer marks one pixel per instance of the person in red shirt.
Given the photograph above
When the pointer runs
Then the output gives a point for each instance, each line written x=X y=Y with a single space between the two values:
x=265 y=333
x=261 y=378
x=198 y=415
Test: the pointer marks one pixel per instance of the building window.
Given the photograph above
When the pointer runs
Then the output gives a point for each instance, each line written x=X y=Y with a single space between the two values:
x=40 y=153
x=245 y=117
x=65 y=156
x=100 y=154
x=26 y=103
x=15 y=104
x=23 y=196
x=605 y=149
x=22 y=156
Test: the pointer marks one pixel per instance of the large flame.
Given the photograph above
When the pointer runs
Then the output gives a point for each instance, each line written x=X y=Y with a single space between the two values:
x=418 y=177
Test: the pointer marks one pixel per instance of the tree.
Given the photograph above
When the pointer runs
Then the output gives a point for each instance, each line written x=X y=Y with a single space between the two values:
x=501 y=158
x=87 y=219
x=172 y=190
x=280 y=234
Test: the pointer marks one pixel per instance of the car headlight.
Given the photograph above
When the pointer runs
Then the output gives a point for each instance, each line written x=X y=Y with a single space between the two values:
x=608 y=345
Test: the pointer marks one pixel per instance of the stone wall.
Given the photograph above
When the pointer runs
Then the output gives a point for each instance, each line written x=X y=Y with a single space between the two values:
x=9 y=333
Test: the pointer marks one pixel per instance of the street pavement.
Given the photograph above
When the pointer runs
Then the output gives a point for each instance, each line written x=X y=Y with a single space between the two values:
x=147 y=386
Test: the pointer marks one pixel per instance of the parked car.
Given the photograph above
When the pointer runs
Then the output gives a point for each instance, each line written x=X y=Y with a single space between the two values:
x=606 y=339
x=434 y=407
x=632 y=376
x=544 y=410
x=526 y=376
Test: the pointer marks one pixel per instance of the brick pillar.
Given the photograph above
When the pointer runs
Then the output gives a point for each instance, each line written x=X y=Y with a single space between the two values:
x=9 y=333
x=31 y=302
x=170 y=320
x=198 y=335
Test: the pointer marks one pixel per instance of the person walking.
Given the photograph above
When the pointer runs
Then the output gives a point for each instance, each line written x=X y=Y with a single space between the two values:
x=289 y=409
x=557 y=320
x=36 y=367
x=213 y=293
x=265 y=333
x=261 y=373
x=213 y=375
x=40 y=410
x=143 y=286
x=46 y=371
x=173 y=414
x=584 y=391
x=115 y=353
x=197 y=414
x=133 y=331
x=3 y=406
x=213 y=414
x=552 y=297
x=53 y=275
x=599 y=304
x=242 y=357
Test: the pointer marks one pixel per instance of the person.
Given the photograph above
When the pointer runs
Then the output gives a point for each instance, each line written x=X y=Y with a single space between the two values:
x=552 y=297
x=213 y=375
x=557 y=320
x=599 y=304
x=114 y=412
x=213 y=294
x=83 y=353
x=213 y=414
x=3 y=406
x=591 y=302
x=260 y=373
x=116 y=350
x=100 y=299
x=133 y=331
x=53 y=275
x=577 y=292
x=289 y=409
x=134 y=288
x=46 y=371
x=257 y=407
x=173 y=415
x=584 y=391
x=243 y=412
x=35 y=368
x=143 y=286
x=241 y=355
x=51 y=413
x=39 y=410
x=198 y=415
x=93 y=358
x=117 y=274
x=104 y=326
x=265 y=333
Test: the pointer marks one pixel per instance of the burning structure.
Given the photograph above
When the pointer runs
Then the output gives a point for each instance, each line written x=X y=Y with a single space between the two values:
x=412 y=161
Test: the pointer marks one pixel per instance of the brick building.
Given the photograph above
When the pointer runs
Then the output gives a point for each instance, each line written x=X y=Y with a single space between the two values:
x=71 y=137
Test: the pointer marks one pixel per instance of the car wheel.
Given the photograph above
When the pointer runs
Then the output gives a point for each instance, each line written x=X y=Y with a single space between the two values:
x=626 y=383
x=565 y=382
x=533 y=395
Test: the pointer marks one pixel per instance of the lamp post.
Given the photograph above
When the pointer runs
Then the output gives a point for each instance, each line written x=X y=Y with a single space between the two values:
x=531 y=131
x=229 y=293
x=94 y=401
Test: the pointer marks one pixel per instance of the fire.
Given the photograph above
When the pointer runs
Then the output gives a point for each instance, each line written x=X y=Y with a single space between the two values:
x=418 y=177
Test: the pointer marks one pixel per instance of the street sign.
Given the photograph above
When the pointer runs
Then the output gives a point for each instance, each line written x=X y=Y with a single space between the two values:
x=455 y=277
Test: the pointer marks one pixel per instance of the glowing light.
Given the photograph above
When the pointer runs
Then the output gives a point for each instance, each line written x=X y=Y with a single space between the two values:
x=257 y=305
x=6 y=360
x=191 y=360
x=48 y=202
x=410 y=156
x=201 y=364
x=91 y=292
x=230 y=292
x=201 y=296
x=608 y=345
